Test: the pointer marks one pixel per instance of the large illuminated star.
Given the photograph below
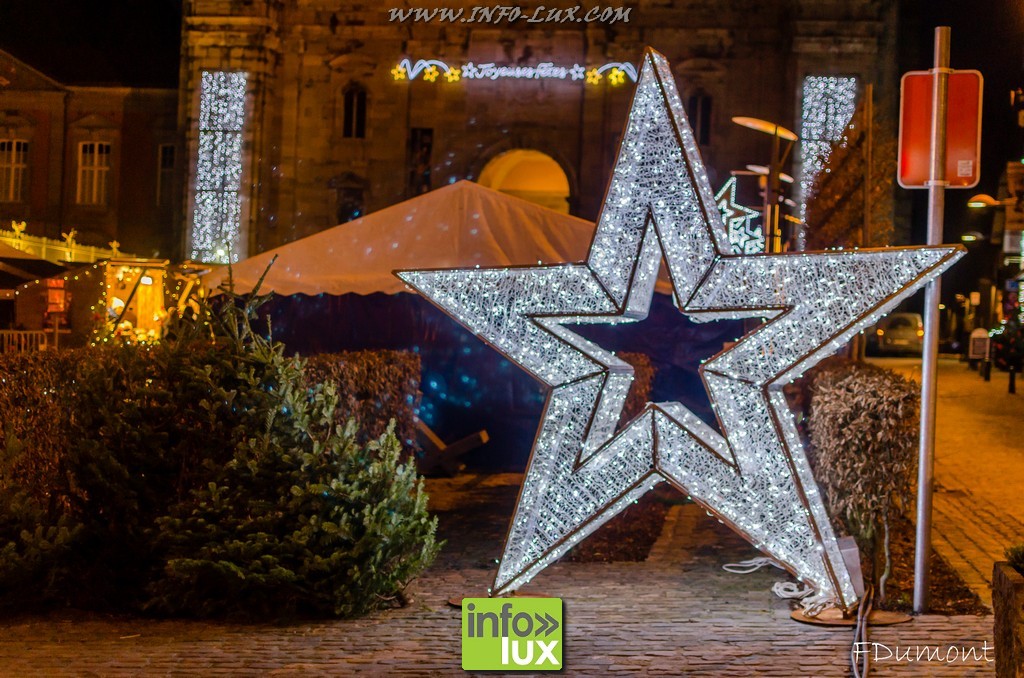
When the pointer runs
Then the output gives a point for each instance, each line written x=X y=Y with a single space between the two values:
x=754 y=475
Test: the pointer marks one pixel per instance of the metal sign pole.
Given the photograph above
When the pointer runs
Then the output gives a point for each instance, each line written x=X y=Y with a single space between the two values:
x=936 y=205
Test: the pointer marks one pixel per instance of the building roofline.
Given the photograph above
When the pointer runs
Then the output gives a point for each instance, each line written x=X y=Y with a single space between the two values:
x=34 y=70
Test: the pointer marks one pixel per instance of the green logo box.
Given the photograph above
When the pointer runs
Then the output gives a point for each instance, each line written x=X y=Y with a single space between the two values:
x=512 y=634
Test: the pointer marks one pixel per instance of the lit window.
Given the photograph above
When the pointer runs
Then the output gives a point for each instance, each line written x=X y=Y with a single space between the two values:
x=13 y=167
x=93 y=169
x=355 y=113
x=165 y=176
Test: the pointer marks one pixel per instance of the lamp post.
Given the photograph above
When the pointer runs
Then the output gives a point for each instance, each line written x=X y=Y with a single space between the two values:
x=1011 y=204
x=773 y=232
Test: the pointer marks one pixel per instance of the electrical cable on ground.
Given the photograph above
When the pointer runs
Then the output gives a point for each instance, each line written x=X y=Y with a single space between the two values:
x=860 y=636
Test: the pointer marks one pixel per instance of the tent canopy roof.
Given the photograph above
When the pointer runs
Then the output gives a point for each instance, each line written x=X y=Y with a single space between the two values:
x=459 y=226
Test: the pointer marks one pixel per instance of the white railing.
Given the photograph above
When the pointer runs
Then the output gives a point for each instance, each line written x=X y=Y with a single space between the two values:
x=23 y=341
x=56 y=250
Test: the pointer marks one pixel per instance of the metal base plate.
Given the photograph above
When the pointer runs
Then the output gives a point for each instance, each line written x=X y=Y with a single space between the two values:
x=834 y=617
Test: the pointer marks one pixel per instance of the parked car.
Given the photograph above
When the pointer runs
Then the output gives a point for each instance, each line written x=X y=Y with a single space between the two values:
x=899 y=333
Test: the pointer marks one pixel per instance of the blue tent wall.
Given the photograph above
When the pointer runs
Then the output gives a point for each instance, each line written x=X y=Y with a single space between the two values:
x=466 y=384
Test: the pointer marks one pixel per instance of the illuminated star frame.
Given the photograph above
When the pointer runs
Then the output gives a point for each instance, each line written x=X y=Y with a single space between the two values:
x=754 y=475
x=744 y=237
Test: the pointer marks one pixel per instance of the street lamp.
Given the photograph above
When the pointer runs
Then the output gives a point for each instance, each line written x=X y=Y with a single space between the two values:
x=761 y=170
x=773 y=233
x=984 y=200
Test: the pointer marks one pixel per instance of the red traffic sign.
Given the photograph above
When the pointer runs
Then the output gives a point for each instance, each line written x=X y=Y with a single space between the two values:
x=963 y=129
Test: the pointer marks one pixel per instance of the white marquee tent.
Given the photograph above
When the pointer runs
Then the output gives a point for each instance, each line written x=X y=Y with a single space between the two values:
x=461 y=225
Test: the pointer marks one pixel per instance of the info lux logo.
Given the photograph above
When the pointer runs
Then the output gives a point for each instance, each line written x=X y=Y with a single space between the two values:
x=512 y=634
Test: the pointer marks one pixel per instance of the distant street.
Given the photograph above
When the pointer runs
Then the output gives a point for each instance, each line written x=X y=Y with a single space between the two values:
x=979 y=467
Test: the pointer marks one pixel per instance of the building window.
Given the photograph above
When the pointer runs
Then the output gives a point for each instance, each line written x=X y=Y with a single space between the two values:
x=13 y=167
x=165 y=175
x=93 y=169
x=350 y=204
x=355 y=113
x=351 y=191
x=698 y=109
x=217 y=211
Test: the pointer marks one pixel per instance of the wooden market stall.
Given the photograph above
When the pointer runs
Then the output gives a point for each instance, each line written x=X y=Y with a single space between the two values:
x=123 y=297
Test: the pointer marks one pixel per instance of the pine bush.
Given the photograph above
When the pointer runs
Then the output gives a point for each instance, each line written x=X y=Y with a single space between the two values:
x=204 y=475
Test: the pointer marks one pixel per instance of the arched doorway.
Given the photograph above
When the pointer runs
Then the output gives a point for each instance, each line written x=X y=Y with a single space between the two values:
x=530 y=175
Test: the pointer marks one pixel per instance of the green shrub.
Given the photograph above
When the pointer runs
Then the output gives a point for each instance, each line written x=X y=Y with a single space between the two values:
x=863 y=426
x=338 y=530
x=303 y=518
x=1015 y=555
x=106 y=447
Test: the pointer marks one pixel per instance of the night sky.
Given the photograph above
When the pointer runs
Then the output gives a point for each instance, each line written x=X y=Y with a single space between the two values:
x=85 y=42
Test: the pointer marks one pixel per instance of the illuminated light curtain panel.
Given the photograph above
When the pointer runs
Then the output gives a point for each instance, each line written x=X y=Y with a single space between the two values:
x=754 y=475
x=828 y=106
x=216 y=231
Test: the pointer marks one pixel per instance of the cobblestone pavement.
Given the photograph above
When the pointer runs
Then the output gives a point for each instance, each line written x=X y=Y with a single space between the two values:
x=678 y=613
x=979 y=469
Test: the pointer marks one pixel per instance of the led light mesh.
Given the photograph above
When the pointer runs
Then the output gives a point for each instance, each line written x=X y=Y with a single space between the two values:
x=828 y=106
x=755 y=475
x=216 y=216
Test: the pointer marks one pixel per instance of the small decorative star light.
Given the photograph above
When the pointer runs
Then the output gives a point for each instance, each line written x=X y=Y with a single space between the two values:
x=430 y=73
x=744 y=237
x=754 y=475
x=593 y=76
x=399 y=73
x=616 y=76
x=577 y=72
x=452 y=75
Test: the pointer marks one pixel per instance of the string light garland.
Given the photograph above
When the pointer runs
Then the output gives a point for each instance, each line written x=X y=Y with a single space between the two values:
x=744 y=236
x=429 y=70
x=828 y=105
x=216 y=233
x=753 y=476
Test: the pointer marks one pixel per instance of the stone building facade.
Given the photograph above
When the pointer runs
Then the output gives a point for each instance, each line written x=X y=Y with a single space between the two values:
x=102 y=161
x=340 y=114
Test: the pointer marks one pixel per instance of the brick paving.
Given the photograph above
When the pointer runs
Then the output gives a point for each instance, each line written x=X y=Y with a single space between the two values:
x=678 y=613
x=979 y=469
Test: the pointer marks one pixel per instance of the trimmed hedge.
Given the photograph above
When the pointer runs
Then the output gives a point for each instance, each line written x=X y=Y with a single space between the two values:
x=374 y=387
x=864 y=432
x=44 y=397
x=864 y=427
